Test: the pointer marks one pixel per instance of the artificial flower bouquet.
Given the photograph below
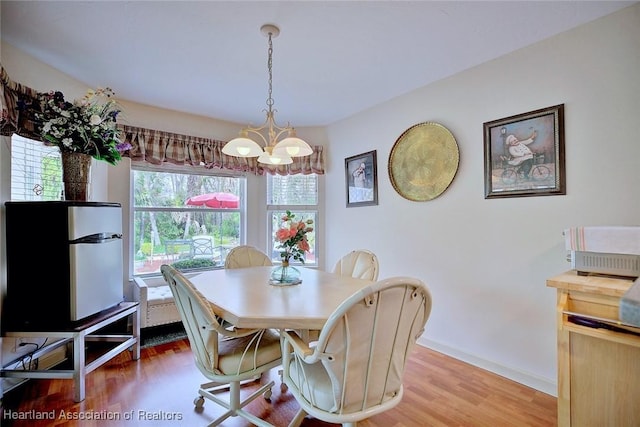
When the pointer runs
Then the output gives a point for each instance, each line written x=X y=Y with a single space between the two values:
x=86 y=126
x=292 y=236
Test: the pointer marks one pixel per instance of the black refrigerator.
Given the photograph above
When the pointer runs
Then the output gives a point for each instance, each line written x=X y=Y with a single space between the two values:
x=64 y=263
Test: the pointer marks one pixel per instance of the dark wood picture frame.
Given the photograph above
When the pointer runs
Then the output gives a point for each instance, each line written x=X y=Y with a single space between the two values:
x=361 y=179
x=524 y=154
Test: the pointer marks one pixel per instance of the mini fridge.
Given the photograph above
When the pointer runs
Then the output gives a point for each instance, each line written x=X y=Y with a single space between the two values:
x=64 y=263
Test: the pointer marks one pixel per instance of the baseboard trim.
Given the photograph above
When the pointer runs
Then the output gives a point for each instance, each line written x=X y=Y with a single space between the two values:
x=544 y=385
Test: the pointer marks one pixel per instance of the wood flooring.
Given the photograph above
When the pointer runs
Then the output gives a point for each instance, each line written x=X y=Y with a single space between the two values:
x=159 y=389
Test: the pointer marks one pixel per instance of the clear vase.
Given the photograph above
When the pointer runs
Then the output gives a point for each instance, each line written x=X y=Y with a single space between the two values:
x=76 y=175
x=284 y=275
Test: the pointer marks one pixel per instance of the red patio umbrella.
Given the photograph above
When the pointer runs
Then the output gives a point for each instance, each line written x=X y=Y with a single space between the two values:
x=215 y=200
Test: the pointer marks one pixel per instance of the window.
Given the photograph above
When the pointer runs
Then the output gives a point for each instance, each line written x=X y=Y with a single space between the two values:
x=36 y=170
x=187 y=220
x=298 y=194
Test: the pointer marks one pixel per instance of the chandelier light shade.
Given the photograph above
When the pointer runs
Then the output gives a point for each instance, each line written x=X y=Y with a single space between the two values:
x=275 y=151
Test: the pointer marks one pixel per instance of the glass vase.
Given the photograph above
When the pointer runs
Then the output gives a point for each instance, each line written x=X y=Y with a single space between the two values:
x=284 y=275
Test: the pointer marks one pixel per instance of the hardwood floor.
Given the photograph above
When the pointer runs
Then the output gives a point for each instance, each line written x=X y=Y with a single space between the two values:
x=159 y=389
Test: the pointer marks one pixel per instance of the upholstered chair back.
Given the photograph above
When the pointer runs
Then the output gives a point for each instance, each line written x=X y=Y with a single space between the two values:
x=224 y=354
x=210 y=341
x=246 y=256
x=356 y=368
x=361 y=264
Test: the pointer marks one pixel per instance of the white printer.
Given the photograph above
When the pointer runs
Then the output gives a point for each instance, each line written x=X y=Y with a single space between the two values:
x=613 y=250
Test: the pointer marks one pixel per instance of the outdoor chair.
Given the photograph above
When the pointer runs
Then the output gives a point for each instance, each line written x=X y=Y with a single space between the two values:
x=225 y=355
x=355 y=369
x=246 y=256
x=202 y=247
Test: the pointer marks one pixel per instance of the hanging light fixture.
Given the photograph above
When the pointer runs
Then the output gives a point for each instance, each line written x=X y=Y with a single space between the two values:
x=275 y=152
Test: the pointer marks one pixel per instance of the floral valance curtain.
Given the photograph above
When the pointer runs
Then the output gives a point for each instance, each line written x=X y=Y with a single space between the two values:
x=157 y=147
x=18 y=105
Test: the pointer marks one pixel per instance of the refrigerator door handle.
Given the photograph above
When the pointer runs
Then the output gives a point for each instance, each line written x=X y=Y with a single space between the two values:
x=97 y=238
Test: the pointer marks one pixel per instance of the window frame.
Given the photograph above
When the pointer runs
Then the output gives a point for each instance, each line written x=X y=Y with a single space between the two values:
x=184 y=170
x=25 y=155
x=272 y=209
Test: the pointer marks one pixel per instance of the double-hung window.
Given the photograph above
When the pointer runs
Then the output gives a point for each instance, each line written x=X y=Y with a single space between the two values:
x=36 y=170
x=188 y=219
x=298 y=194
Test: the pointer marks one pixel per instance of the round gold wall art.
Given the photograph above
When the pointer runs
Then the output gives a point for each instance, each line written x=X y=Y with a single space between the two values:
x=423 y=162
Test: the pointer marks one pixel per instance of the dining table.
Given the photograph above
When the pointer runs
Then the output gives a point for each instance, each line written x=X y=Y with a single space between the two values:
x=245 y=297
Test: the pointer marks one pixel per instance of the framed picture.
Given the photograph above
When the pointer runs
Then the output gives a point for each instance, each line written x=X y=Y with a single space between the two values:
x=361 y=178
x=524 y=154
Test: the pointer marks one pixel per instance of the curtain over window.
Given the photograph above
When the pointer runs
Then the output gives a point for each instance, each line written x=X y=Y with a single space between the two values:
x=18 y=105
x=157 y=147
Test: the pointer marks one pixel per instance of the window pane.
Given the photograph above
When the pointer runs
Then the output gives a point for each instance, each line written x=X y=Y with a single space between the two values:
x=189 y=221
x=163 y=189
x=298 y=194
x=189 y=240
x=293 y=190
x=276 y=223
x=36 y=170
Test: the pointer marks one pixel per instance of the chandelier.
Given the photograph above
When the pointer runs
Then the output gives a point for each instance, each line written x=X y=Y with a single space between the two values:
x=275 y=152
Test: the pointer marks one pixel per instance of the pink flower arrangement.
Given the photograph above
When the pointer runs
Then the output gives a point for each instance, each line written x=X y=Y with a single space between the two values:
x=292 y=237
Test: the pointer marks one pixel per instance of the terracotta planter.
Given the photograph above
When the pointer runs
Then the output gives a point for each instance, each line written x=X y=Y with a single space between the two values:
x=76 y=175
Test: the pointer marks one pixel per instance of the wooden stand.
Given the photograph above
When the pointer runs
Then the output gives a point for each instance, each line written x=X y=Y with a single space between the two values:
x=78 y=335
x=598 y=356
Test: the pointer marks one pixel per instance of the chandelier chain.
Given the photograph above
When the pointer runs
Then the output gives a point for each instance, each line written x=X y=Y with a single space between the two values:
x=270 y=67
x=274 y=151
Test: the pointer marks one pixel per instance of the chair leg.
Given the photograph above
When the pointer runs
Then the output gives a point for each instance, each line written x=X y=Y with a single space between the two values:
x=283 y=386
x=244 y=414
x=299 y=417
x=214 y=387
x=230 y=412
x=235 y=405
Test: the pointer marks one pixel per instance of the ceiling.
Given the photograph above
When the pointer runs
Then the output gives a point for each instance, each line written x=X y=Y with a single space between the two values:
x=331 y=60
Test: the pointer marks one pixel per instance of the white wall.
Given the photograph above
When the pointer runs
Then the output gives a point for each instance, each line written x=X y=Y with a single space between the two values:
x=486 y=261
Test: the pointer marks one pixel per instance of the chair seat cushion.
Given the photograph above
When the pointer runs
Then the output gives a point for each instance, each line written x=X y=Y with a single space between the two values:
x=321 y=393
x=237 y=355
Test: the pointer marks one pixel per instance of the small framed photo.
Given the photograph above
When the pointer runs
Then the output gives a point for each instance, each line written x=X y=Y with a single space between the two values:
x=524 y=154
x=361 y=178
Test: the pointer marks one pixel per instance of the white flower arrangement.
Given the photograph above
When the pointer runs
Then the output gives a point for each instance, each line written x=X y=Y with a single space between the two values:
x=85 y=126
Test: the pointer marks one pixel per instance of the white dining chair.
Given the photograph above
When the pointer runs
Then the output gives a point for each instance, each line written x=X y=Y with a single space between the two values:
x=361 y=264
x=355 y=369
x=246 y=256
x=225 y=355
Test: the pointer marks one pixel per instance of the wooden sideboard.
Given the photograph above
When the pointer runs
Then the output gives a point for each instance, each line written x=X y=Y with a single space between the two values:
x=598 y=356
